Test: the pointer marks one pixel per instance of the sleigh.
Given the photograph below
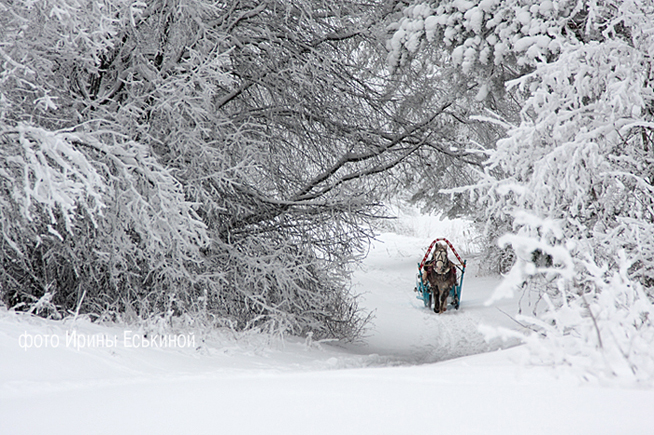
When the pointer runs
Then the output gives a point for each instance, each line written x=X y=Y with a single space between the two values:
x=422 y=287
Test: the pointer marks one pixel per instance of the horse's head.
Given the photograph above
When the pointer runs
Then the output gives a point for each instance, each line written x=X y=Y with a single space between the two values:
x=441 y=262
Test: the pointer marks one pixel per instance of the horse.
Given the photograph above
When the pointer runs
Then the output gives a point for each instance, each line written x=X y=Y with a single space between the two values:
x=440 y=273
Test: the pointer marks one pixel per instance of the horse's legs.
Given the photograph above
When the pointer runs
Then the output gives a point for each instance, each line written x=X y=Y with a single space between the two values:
x=443 y=300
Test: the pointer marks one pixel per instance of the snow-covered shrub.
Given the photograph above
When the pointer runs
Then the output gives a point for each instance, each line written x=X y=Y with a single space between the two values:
x=94 y=226
x=594 y=319
x=604 y=331
x=105 y=229
x=273 y=284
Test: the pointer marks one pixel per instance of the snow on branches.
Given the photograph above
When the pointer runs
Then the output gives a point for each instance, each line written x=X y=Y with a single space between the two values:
x=484 y=34
x=55 y=176
x=573 y=177
x=246 y=113
x=486 y=31
x=86 y=220
x=583 y=151
x=595 y=320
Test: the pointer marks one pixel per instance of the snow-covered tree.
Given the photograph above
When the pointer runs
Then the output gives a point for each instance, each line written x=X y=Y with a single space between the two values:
x=573 y=177
x=158 y=162
x=199 y=160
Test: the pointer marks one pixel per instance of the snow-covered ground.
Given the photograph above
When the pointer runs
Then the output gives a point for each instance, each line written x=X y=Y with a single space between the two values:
x=414 y=373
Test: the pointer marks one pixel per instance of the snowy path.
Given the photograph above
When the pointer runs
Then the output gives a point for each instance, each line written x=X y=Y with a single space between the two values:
x=404 y=330
x=389 y=384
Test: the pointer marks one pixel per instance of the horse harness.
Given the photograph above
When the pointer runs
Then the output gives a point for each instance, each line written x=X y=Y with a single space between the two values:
x=439 y=263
